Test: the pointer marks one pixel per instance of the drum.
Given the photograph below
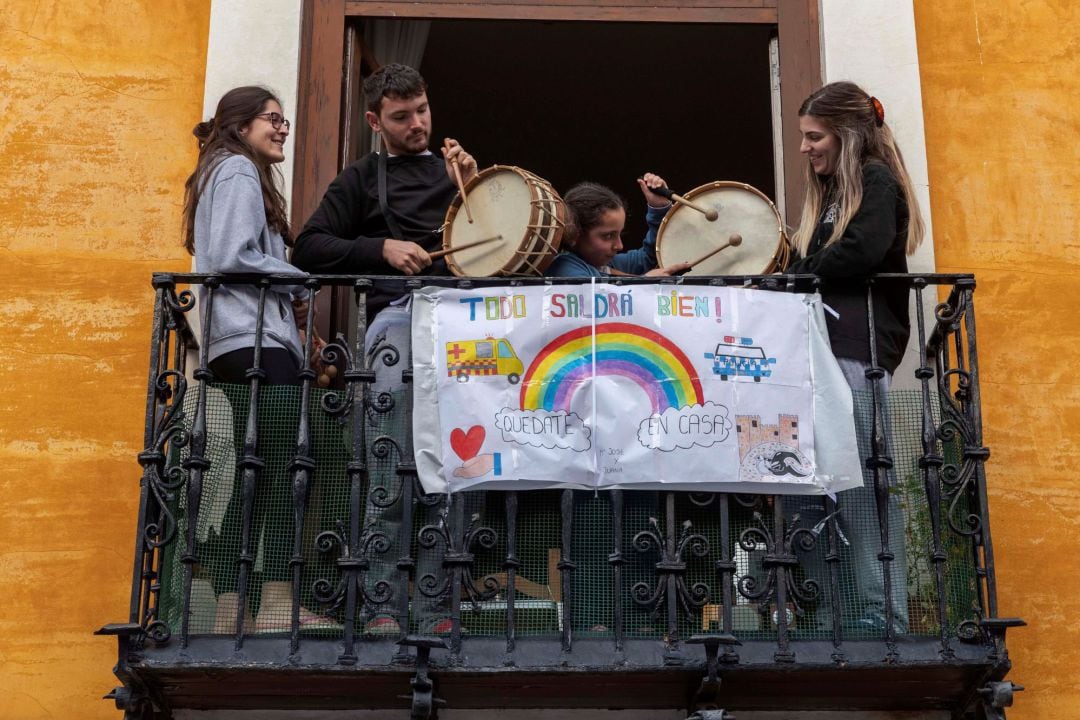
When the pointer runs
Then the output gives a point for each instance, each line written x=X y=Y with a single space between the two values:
x=686 y=235
x=508 y=201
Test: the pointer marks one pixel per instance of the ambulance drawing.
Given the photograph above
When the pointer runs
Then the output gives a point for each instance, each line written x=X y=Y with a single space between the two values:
x=490 y=356
x=740 y=356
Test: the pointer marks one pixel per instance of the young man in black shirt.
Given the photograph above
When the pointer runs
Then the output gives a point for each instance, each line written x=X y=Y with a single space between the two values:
x=382 y=216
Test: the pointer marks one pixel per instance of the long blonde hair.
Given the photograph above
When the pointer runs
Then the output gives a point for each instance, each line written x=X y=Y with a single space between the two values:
x=858 y=121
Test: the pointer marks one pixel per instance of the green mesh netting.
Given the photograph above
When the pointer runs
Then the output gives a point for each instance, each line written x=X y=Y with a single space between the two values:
x=539 y=592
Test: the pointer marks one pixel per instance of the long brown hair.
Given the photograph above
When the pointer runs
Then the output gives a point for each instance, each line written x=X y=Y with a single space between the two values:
x=219 y=137
x=849 y=111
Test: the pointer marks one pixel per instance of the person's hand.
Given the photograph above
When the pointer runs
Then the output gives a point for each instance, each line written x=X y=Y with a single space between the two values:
x=648 y=182
x=676 y=269
x=299 y=311
x=405 y=256
x=477 y=466
x=451 y=150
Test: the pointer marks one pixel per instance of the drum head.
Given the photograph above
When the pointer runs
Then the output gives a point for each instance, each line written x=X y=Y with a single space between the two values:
x=500 y=200
x=686 y=235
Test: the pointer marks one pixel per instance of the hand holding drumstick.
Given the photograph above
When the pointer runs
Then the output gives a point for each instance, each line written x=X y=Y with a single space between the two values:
x=655 y=190
x=460 y=167
x=663 y=191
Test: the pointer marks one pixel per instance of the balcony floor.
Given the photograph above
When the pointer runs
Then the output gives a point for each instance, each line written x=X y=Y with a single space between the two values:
x=263 y=676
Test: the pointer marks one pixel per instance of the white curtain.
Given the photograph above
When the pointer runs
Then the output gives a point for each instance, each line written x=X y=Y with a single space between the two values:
x=393 y=41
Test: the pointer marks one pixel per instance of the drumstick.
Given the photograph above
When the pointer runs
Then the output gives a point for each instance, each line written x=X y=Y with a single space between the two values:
x=710 y=214
x=440 y=253
x=461 y=186
x=733 y=241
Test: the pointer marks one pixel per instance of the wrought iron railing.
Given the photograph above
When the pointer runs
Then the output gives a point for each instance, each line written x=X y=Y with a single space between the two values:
x=305 y=500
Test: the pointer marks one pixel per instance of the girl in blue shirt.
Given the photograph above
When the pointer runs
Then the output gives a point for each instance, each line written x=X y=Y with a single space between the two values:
x=593 y=238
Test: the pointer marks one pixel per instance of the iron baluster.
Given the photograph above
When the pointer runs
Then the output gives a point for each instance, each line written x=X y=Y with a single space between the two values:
x=301 y=469
x=459 y=540
x=955 y=428
x=357 y=542
x=783 y=653
x=377 y=411
x=566 y=568
x=930 y=463
x=511 y=564
x=151 y=460
x=956 y=432
x=725 y=566
x=616 y=560
x=196 y=464
x=880 y=463
x=152 y=463
x=161 y=482
x=977 y=453
x=832 y=561
x=411 y=493
x=354 y=560
x=251 y=466
x=779 y=563
x=671 y=589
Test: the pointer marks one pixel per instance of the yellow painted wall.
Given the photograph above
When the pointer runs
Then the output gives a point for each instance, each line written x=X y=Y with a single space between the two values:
x=1001 y=97
x=97 y=101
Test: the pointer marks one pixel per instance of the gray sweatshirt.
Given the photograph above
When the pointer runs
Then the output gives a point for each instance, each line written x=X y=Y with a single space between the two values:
x=231 y=236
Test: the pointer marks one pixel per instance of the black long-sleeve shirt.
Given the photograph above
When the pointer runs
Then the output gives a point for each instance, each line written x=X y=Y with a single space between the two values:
x=874 y=242
x=347 y=231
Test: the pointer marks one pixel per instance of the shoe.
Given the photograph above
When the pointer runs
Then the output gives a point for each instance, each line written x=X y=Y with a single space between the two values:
x=873 y=623
x=440 y=626
x=225 y=615
x=275 y=612
x=203 y=607
x=383 y=625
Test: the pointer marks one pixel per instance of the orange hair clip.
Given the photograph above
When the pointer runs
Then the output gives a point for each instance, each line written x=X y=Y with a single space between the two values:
x=879 y=110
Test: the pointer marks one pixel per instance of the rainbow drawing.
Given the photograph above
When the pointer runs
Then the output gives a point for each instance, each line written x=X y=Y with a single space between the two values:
x=659 y=367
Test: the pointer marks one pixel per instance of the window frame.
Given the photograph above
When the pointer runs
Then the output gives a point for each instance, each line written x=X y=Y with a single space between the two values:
x=327 y=111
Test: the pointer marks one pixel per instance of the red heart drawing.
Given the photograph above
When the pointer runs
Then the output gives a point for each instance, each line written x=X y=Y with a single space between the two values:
x=467 y=444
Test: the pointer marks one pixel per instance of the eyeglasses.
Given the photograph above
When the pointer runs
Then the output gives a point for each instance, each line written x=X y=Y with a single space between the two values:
x=275 y=120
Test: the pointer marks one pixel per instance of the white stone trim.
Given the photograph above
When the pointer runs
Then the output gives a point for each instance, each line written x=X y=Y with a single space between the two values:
x=255 y=42
x=872 y=43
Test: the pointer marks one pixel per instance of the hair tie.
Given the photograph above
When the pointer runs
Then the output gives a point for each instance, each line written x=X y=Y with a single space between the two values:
x=204 y=129
x=878 y=110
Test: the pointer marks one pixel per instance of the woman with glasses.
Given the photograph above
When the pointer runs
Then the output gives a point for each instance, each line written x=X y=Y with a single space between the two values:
x=235 y=222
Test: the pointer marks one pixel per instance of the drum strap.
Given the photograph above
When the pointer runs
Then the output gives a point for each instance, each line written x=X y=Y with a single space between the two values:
x=384 y=207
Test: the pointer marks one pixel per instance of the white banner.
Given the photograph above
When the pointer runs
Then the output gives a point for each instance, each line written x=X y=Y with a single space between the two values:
x=642 y=387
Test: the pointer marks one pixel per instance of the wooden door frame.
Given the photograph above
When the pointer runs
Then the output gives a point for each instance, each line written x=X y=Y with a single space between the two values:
x=322 y=72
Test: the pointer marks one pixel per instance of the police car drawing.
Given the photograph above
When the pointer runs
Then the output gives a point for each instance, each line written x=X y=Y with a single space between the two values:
x=489 y=356
x=740 y=356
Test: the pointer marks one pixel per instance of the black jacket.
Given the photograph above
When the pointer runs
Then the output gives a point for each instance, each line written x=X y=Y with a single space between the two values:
x=873 y=242
x=345 y=235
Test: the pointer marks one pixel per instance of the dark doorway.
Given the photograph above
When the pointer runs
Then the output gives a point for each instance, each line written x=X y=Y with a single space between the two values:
x=572 y=101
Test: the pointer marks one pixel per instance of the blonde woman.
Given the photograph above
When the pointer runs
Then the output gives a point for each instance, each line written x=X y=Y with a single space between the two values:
x=860 y=218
